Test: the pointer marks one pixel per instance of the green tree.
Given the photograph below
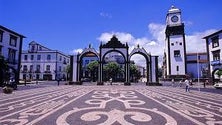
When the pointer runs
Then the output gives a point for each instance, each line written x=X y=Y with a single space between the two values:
x=93 y=69
x=4 y=76
x=219 y=73
x=135 y=74
x=111 y=70
x=68 y=71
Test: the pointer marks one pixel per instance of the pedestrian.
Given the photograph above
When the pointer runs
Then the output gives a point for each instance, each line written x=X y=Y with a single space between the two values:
x=172 y=82
x=205 y=83
x=110 y=80
x=58 y=80
x=191 y=82
x=187 y=83
x=180 y=83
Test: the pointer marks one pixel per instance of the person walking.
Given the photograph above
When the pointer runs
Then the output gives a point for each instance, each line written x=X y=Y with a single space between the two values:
x=205 y=83
x=111 y=81
x=180 y=83
x=172 y=81
x=187 y=83
x=58 y=80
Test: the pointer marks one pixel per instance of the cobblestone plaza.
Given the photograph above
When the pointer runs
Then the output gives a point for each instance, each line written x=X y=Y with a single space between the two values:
x=109 y=105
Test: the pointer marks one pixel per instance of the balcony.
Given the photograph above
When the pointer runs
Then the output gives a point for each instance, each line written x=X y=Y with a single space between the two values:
x=216 y=62
x=12 y=61
x=37 y=71
x=47 y=71
x=24 y=71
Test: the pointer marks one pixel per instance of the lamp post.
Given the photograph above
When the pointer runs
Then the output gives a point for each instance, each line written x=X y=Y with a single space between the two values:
x=198 y=71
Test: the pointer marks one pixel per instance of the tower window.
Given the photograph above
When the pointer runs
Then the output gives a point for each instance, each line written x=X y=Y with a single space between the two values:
x=215 y=42
x=177 y=68
x=177 y=53
x=172 y=44
x=181 y=43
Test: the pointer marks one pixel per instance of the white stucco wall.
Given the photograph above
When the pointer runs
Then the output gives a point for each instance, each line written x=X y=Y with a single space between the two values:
x=211 y=49
x=178 y=44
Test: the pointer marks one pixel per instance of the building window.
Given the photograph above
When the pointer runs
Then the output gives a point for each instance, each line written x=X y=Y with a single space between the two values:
x=0 y=50
x=13 y=41
x=48 y=57
x=215 y=41
x=64 y=60
x=86 y=62
x=172 y=44
x=25 y=57
x=32 y=57
x=177 y=68
x=48 y=68
x=40 y=48
x=1 y=36
x=176 y=53
x=33 y=48
x=31 y=68
x=216 y=55
x=11 y=55
x=38 y=69
x=181 y=43
x=39 y=57
x=60 y=68
x=25 y=69
x=60 y=58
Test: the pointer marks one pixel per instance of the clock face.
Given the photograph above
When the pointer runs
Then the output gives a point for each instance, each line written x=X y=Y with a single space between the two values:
x=174 y=19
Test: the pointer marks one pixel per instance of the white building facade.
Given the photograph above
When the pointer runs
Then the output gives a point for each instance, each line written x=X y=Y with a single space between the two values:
x=10 y=49
x=42 y=63
x=214 y=51
x=175 y=47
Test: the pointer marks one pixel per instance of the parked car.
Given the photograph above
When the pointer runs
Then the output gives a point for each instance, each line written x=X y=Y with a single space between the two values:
x=218 y=85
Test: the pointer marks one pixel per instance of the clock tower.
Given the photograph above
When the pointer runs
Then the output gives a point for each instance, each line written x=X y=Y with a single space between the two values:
x=175 y=47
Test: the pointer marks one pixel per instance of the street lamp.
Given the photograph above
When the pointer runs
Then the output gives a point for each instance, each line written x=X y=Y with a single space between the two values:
x=198 y=72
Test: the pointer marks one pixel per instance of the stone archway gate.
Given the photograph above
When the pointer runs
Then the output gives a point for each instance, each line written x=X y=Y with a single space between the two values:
x=114 y=45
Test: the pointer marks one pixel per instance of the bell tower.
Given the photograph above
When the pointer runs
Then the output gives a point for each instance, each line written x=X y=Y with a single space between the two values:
x=175 y=47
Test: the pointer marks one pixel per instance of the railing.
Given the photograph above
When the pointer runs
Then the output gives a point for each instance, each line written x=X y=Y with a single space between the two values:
x=47 y=71
x=12 y=61
x=37 y=71
x=216 y=62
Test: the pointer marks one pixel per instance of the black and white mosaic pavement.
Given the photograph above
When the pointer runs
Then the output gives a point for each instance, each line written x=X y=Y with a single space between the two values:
x=110 y=105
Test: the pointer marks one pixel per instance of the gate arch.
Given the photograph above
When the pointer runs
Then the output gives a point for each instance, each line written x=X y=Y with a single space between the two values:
x=147 y=56
x=80 y=57
x=111 y=51
x=114 y=45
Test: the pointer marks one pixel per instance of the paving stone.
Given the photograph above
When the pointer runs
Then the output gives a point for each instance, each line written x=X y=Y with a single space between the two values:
x=110 y=105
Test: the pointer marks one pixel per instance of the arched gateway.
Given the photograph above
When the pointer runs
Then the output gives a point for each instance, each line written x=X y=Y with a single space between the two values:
x=114 y=45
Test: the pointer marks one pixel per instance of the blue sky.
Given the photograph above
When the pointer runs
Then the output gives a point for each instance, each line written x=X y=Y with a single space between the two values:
x=70 y=25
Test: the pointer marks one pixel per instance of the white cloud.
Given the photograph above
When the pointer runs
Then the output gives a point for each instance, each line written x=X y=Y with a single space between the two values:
x=105 y=15
x=123 y=37
x=156 y=44
x=75 y=51
x=195 y=41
